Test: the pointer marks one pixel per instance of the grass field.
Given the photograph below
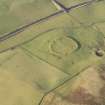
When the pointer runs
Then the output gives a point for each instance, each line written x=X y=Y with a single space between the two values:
x=36 y=30
x=38 y=61
x=68 y=62
x=88 y=15
x=86 y=88
x=14 y=14
x=26 y=76
x=69 y=3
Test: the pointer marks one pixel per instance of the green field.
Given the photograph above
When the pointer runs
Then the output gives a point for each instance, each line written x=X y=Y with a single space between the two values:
x=55 y=60
x=14 y=14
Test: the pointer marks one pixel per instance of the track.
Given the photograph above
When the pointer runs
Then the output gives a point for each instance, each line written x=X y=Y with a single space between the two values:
x=22 y=28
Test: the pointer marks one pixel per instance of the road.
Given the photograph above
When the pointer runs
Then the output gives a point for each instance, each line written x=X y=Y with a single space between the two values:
x=22 y=28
